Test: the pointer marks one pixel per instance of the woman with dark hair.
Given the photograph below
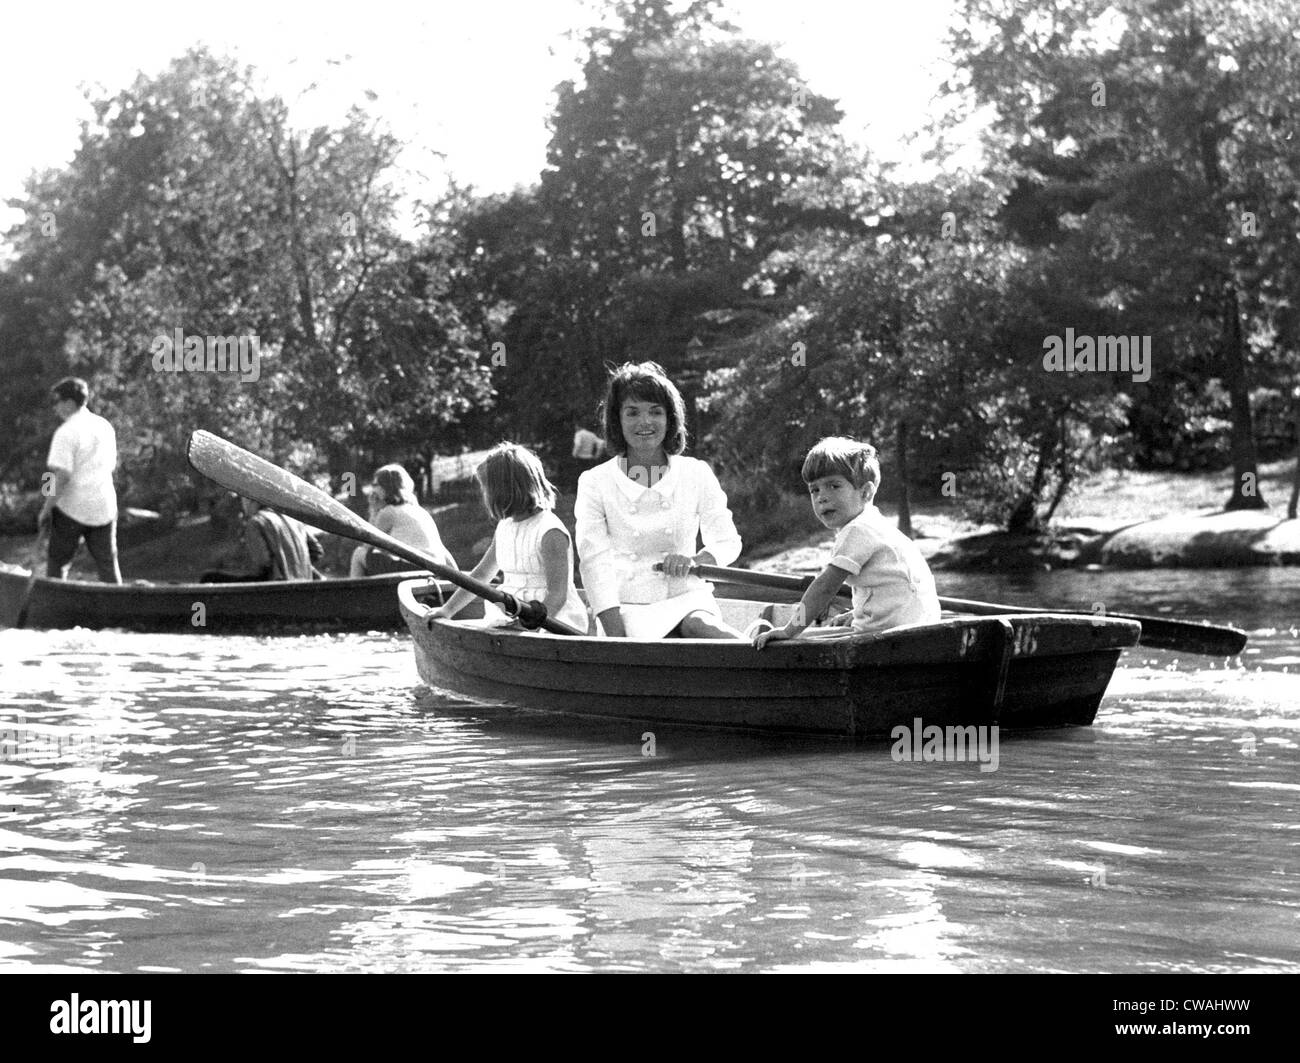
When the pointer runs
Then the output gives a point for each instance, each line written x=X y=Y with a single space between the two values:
x=646 y=506
x=395 y=509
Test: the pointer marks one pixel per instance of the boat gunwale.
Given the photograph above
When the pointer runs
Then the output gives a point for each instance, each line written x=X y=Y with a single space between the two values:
x=868 y=650
x=78 y=587
x=367 y=603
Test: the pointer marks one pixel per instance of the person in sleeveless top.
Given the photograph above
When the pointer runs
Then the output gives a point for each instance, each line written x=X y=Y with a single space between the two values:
x=531 y=546
x=394 y=509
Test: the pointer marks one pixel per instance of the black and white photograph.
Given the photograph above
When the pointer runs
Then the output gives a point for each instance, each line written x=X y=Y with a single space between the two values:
x=651 y=487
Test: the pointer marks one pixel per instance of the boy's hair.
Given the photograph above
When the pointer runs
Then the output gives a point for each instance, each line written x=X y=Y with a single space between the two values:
x=72 y=388
x=514 y=482
x=395 y=485
x=644 y=382
x=840 y=456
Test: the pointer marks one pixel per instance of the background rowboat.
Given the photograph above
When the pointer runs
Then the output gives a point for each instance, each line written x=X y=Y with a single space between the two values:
x=1017 y=672
x=216 y=608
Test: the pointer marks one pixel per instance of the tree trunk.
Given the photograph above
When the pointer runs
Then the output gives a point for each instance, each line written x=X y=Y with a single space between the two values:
x=298 y=252
x=1024 y=518
x=427 y=456
x=1062 y=486
x=1063 y=471
x=1295 y=488
x=1245 y=471
x=904 y=495
x=1245 y=487
x=677 y=223
x=1295 y=482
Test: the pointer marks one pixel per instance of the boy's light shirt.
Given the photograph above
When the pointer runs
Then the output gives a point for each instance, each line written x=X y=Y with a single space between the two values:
x=892 y=584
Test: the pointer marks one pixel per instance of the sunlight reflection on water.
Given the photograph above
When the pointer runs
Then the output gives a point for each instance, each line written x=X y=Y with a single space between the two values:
x=188 y=803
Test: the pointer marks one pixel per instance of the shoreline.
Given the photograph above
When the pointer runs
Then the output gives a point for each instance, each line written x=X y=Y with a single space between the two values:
x=1199 y=539
x=1207 y=539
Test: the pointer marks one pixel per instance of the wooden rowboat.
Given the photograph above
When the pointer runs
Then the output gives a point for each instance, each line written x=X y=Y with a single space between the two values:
x=214 y=608
x=1021 y=671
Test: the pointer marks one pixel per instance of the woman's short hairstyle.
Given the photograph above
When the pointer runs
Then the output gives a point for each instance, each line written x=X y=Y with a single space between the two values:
x=72 y=389
x=514 y=482
x=395 y=486
x=840 y=456
x=643 y=382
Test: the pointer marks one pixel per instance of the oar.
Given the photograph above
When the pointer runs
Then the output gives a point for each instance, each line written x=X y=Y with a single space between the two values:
x=21 y=619
x=42 y=548
x=253 y=477
x=1157 y=631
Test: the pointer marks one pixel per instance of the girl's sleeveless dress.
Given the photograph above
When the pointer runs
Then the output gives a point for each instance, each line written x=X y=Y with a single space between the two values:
x=519 y=553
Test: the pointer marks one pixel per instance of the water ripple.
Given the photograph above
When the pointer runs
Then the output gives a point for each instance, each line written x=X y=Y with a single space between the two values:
x=302 y=804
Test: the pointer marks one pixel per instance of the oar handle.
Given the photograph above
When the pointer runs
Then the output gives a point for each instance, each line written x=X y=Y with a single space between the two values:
x=246 y=474
x=1159 y=632
x=795 y=584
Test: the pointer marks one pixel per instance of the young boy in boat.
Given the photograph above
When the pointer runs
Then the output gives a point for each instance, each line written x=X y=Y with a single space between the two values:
x=891 y=581
x=531 y=546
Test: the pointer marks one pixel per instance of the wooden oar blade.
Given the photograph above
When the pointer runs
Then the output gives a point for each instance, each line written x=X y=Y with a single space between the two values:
x=1157 y=632
x=1188 y=637
x=246 y=474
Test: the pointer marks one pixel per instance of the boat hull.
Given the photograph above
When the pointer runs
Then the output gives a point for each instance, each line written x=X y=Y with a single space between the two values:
x=368 y=604
x=1017 y=672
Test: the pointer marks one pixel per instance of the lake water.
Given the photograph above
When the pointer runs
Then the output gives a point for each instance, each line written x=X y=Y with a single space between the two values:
x=189 y=803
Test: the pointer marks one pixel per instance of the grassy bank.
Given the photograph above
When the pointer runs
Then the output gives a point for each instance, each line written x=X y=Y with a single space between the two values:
x=1132 y=496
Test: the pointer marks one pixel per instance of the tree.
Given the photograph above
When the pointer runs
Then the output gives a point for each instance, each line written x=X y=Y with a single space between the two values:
x=1147 y=136
x=193 y=205
x=672 y=171
x=680 y=148
x=925 y=338
x=415 y=362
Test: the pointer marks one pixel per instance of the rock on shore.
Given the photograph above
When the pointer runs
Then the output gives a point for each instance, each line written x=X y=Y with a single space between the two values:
x=1190 y=540
x=1208 y=540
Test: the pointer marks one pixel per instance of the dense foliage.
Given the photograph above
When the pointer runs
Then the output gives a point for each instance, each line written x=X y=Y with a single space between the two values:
x=192 y=209
x=699 y=207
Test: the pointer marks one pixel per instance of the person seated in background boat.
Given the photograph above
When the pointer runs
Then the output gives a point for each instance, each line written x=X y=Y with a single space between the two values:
x=396 y=511
x=646 y=506
x=278 y=547
x=892 y=584
x=531 y=546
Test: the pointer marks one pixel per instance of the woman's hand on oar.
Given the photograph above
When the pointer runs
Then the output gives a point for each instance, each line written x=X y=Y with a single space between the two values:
x=253 y=477
x=1157 y=631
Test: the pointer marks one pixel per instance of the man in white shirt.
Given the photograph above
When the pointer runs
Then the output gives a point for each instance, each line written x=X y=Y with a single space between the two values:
x=587 y=446
x=588 y=450
x=80 y=501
